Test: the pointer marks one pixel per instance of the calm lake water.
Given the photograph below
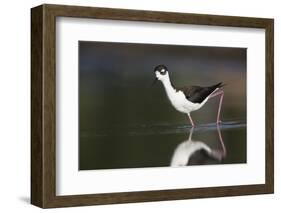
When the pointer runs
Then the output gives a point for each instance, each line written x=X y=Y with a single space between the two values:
x=163 y=145
x=124 y=122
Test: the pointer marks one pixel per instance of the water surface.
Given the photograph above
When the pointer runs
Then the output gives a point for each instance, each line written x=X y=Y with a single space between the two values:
x=163 y=145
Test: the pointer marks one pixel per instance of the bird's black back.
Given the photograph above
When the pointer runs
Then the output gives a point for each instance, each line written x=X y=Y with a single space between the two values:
x=197 y=94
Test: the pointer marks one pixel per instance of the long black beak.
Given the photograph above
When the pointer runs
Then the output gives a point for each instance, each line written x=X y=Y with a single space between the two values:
x=155 y=80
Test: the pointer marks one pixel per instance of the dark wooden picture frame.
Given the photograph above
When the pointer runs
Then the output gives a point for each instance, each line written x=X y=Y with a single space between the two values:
x=43 y=105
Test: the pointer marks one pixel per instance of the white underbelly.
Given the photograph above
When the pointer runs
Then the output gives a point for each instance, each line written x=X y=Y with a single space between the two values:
x=180 y=103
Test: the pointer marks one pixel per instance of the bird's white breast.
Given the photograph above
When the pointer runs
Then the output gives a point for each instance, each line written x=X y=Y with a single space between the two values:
x=179 y=101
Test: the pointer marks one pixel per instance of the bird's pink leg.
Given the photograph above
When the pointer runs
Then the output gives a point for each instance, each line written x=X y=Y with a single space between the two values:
x=221 y=141
x=219 y=154
x=190 y=133
x=221 y=93
x=191 y=121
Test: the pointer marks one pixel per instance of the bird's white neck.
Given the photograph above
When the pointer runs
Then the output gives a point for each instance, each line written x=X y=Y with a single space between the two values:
x=170 y=90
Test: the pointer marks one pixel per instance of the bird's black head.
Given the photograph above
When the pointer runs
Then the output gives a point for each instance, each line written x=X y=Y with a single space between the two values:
x=161 y=73
x=162 y=69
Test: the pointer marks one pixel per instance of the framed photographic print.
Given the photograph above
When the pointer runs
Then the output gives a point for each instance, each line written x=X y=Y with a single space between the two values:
x=135 y=106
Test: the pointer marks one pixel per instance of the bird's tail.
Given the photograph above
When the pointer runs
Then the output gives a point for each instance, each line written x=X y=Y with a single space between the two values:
x=219 y=85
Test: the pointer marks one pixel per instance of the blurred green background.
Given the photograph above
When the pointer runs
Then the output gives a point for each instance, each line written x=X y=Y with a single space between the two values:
x=126 y=123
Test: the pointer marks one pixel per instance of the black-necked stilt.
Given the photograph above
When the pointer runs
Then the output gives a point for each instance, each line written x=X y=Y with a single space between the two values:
x=189 y=98
x=189 y=148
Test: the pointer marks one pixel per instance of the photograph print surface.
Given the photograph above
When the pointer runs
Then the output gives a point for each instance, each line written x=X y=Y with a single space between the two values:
x=152 y=105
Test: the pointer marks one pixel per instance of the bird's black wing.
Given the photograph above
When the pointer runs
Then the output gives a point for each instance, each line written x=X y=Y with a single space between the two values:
x=197 y=94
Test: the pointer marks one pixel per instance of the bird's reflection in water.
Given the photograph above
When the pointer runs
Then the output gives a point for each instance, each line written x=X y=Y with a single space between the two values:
x=192 y=152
